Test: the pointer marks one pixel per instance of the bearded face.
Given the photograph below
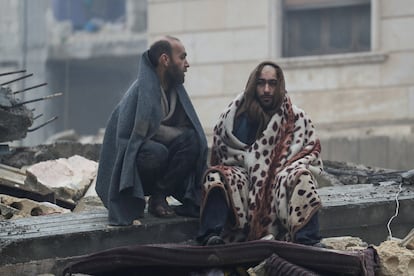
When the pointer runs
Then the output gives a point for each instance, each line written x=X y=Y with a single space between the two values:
x=174 y=75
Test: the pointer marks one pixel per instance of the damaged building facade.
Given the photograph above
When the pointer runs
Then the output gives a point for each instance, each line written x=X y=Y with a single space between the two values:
x=88 y=50
x=356 y=87
x=352 y=74
x=347 y=63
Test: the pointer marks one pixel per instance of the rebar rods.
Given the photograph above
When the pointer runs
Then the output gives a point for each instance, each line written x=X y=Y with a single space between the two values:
x=16 y=119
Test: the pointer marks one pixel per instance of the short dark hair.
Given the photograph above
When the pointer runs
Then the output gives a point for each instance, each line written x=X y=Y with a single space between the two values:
x=160 y=47
x=157 y=49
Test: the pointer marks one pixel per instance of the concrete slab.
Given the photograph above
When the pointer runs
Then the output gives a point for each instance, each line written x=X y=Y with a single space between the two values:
x=364 y=210
x=35 y=238
x=354 y=210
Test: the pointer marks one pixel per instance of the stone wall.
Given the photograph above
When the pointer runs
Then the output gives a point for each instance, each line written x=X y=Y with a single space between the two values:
x=380 y=151
x=9 y=27
x=226 y=39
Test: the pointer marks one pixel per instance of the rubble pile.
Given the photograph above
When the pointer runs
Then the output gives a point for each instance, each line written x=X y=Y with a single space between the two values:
x=396 y=256
x=15 y=117
x=69 y=178
x=395 y=259
x=54 y=186
x=13 y=207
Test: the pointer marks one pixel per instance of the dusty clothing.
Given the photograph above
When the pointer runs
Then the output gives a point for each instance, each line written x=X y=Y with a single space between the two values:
x=174 y=122
x=162 y=168
x=135 y=120
x=269 y=185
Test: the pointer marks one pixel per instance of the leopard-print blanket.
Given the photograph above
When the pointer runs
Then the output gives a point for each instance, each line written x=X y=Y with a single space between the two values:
x=270 y=185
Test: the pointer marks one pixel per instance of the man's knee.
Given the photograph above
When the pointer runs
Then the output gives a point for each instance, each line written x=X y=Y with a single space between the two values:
x=191 y=140
x=152 y=156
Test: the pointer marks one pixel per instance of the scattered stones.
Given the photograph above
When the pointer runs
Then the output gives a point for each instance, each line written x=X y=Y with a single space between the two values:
x=69 y=178
x=22 y=207
x=395 y=260
x=26 y=156
x=408 y=241
x=90 y=201
x=345 y=243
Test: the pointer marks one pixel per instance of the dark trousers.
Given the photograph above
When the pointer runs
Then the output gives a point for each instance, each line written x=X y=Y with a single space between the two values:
x=216 y=213
x=309 y=234
x=164 y=168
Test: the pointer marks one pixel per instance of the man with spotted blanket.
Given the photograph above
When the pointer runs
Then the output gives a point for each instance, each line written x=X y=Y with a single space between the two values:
x=264 y=159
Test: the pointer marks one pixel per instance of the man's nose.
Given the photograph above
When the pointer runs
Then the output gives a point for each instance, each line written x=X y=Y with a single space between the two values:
x=186 y=64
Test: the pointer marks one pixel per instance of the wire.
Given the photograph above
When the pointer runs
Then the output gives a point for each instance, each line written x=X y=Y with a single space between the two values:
x=397 y=208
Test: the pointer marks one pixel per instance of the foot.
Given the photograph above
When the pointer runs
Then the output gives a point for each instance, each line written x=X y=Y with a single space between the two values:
x=213 y=240
x=321 y=245
x=158 y=207
x=188 y=209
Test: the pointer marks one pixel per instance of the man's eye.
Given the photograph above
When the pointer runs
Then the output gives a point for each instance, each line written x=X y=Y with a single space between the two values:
x=263 y=82
x=272 y=82
x=260 y=82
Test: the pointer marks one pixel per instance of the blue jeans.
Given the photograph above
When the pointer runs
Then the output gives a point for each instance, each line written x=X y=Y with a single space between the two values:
x=309 y=234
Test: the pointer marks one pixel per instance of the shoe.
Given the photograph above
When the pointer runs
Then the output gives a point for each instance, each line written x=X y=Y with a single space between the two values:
x=268 y=237
x=158 y=207
x=188 y=209
x=321 y=245
x=213 y=240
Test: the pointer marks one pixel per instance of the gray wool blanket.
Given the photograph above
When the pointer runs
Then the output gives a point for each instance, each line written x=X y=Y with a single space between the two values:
x=135 y=120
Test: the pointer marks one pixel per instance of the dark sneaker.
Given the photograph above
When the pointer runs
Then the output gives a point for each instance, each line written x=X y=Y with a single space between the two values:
x=321 y=245
x=213 y=240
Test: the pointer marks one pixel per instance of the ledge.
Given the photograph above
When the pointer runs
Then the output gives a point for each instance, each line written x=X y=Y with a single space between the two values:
x=331 y=60
x=83 y=45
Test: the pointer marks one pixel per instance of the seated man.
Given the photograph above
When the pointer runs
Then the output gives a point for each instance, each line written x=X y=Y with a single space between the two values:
x=264 y=156
x=154 y=143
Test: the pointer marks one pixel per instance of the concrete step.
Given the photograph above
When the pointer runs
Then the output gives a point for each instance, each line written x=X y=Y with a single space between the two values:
x=361 y=210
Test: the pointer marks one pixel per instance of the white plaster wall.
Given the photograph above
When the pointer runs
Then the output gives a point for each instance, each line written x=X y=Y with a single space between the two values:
x=9 y=30
x=397 y=8
x=225 y=39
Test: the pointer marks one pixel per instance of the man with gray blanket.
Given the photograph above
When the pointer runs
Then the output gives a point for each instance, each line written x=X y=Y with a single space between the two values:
x=154 y=144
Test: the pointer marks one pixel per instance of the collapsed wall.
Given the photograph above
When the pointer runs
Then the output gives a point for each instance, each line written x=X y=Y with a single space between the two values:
x=15 y=119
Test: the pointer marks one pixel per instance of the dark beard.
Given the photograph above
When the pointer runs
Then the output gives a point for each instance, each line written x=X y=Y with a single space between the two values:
x=174 y=76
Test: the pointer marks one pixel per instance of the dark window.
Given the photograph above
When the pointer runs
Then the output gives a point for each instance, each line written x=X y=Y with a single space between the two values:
x=327 y=27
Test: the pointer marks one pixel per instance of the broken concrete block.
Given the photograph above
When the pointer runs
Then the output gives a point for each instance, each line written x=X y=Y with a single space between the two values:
x=90 y=201
x=12 y=182
x=325 y=179
x=7 y=212
x=69 y=178
x=22 y=207
x=91 y=192
x=15 y=119
x=395 y=260
x=408 y=241
x=345 y=243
